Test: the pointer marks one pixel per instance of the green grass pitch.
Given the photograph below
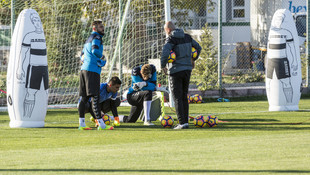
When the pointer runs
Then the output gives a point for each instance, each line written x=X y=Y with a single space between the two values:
x=250 y=141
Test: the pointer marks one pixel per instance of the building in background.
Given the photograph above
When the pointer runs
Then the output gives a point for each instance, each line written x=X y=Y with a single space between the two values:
x=261 y=16
x=245 y=25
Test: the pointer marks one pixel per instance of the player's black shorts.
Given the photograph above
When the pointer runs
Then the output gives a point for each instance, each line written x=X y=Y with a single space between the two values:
x=137 y=98
x=35 y=74
x=280 y=66
x=89 y=83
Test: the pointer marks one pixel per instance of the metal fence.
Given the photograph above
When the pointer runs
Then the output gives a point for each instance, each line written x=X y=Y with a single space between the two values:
x=239 y=38
x=244 y=35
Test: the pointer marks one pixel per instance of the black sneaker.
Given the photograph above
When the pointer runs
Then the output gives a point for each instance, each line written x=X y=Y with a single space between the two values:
x=184 y=126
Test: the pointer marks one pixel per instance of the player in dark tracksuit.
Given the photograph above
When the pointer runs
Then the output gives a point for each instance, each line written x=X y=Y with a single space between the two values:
x=180 y=70
x=93 y=60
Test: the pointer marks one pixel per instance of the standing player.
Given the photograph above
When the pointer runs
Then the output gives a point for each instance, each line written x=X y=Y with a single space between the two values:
x=144 y=78
x=180 y=70
x=93 y=60
x=33 y=51
x=107 y=100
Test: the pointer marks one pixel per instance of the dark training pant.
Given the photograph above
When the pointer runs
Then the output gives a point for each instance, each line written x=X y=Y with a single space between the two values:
x=179 y=83
x=89 y=88
x=105 y=106
x=136 y=100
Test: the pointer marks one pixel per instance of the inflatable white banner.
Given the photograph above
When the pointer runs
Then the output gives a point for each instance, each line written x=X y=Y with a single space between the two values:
x=283 y=70
x=27 y=75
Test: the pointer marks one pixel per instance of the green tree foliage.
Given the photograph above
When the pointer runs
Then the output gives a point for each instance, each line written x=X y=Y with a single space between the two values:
x=205 y=74
x=63 y=30
x=200 y=7
x=67 y=24
x=194 y=5
x=5 y=12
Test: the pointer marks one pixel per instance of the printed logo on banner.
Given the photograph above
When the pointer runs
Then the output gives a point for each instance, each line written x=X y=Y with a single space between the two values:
x=295 y=8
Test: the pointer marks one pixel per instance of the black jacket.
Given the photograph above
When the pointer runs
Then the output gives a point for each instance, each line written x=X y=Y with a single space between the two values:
x=181 y=44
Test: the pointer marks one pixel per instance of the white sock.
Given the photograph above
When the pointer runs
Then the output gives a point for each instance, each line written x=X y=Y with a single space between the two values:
x=111 y=117
x=82 y=122
x=147 y=109
x=101 y=123
x=121 y=118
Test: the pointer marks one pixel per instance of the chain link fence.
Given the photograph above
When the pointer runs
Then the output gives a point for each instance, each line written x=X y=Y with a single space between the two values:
x=245 y=26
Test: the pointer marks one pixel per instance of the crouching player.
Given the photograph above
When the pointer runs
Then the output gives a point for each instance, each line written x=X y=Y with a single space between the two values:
x=144 y=78
x=107 y=100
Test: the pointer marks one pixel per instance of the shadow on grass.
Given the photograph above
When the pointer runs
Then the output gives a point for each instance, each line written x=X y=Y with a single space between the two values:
x=231 y=128
x=262 y=124
x=4 y=121
x=251 y=120
x=63 y=112
x=156 y=171
x=60 y=127
x=139 y=127
x=226 y=127
x=304 y=110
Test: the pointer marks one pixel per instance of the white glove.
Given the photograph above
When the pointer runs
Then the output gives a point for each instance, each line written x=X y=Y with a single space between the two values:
x=139 y=85
x=162 y=89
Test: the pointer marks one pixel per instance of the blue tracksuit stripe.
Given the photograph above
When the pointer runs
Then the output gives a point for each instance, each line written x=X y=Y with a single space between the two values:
x=96 y=43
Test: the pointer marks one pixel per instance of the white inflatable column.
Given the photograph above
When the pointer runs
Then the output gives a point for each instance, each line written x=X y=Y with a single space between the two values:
x=283 y=66
x=27 y=75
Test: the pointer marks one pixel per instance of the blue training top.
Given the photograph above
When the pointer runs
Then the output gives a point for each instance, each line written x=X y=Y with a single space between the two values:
x=92 y=53
x=104 y=94
x=137 y=77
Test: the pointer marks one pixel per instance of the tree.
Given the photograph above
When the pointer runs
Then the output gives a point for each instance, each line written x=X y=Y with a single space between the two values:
x=181 y=15
x=5 y=12
x=64 y=34
x=67 y=25
x=205 y=74
x=61 y=22
x=194 y=5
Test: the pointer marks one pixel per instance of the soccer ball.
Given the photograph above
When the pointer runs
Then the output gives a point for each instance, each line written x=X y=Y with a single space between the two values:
x=189 y=99
x=171 y=57
x=194 y=53
x=200 y=121
x=212 y=121
x=167 y=121
x=197 y=98
x=106 y=119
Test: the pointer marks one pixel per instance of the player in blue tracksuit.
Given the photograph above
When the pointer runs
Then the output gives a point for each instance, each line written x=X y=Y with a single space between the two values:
x=108 y=100
x=93 y=60
x=144 y=78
